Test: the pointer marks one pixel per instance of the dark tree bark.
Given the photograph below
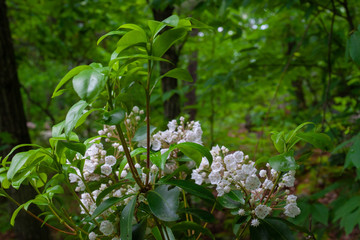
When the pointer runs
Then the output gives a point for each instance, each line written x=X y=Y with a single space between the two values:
x=13 y=122
x=172 y=105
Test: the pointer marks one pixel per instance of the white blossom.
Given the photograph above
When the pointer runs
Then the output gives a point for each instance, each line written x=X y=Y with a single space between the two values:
x=92 y=236
x=110 y=160
x=106 y=227
x=255 y=222
x=252 y=182
x=106 y=169
x=262 y=211
x=292 y=210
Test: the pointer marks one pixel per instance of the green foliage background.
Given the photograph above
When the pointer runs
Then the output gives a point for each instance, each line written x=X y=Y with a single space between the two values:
x=265 y=66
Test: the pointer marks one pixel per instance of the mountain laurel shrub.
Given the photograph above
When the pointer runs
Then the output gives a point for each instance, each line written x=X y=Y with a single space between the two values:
x=132 y=181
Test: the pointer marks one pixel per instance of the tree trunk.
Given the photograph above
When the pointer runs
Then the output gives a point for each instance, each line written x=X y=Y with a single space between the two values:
x=172 y=105
x=13 y=125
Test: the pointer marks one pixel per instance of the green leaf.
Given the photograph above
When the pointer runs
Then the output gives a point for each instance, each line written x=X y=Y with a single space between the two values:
x=72 y=117
x=141 y=133
x=166 y=232
x=18 y=161
x=180 y=74
x=278 y=141
x=85 y=115
x=192 y=188
x=271 y=229
x=55 y=189
x=89 y=84
x=106 y=191
x=293 y=133
x=131 y=26
x=75 y=146
x=68 y=76
x=353 y=155
x=155 y=27
x=40 y=180
x=164 y=203
x=233 y=199
x=139 y=230
x=126 y=220
x=186 y=225
x=345 y=209
x=108 y=203
x=194 y=151
x=199 y=213
x=163 y=42
x=17 y=147
x=172 y=21
x=283 y=162
x=132 y=38
x=349 y=221
x=320 y=213
x=109 y=34
x=197 y=24
x=57 y=129
x=114 y=117
x=318 y=140
x=15 y=213
x=354 y=47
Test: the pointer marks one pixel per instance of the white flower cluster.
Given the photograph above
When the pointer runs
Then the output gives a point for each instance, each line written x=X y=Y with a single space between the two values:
x=234 y=171
x=177 y=133
x=100 y=167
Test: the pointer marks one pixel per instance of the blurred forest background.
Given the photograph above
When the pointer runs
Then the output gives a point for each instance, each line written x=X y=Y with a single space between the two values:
x=266 y=65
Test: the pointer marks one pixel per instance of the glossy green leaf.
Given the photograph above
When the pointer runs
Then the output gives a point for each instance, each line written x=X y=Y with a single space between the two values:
x=180 y=74
x=186 y=225
x=172 y=21
x=89 y=84
x=271 y=229
x=132 y=38
x=141 y=133
x=17 y=147
x=164 y=203
x=233 y=199
x=166 y=40
x=114 y=117
x=72 y=117
x=57 y=129
x=83 y=118
x=155 y=27
x=68 y=76
x=318 y=140
x=193 y=188
x=194 y=151
x=127 y=216
x=283 y=162
x=18 y=161
x=166 y=232
x=75 y=146
x=109 y=34
x=139 y=230
x=108 y=190
x=199 y=213
x=15 y=213
x=108 y=203
x=278 y=141
x=198 y=24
